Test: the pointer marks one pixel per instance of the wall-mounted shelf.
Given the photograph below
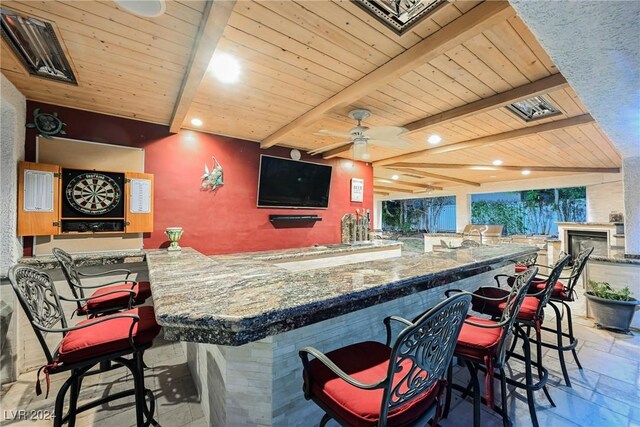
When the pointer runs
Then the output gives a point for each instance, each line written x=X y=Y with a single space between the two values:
x=298 y=218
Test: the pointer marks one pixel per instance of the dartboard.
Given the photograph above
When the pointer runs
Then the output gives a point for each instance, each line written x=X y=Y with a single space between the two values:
x=93 y=193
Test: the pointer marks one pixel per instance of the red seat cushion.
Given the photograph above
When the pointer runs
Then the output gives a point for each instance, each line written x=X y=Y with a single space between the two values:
x=521 y=268
x=528 y=308
x=558 y=289
x=495 y=308
x=121 y=299
x=476 y=342
x=367 y=362
x=108 y=336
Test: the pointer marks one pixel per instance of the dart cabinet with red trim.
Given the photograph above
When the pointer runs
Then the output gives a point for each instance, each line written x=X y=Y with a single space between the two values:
x=54 y=200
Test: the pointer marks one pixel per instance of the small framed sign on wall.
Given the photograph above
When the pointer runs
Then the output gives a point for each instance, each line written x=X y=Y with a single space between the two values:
x=357 y=190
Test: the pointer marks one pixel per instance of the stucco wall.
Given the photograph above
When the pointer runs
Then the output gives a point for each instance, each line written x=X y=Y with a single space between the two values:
x=603 y=199
x=12 y=120
x=12 y=150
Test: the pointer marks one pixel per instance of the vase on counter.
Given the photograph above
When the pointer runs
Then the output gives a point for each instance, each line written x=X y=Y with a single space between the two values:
x=174 y=234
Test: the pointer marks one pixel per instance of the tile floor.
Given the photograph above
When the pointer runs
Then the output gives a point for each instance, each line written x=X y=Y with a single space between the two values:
x=605 y=393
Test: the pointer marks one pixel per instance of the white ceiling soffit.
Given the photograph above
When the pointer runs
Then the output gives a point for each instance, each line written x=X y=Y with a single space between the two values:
x=596 y=46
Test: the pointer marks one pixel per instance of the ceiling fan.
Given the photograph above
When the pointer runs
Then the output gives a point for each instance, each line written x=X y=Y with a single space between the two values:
x=361 y=136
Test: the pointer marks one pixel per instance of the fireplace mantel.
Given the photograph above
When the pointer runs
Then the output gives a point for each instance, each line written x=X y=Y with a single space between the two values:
x=614 y=240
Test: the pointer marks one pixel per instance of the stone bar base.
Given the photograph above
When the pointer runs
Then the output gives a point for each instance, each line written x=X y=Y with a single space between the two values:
x=260 y=383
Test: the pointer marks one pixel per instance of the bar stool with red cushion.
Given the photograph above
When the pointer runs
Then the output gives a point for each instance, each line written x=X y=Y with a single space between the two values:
x=482 y=345
x=120 y=337
x=109 y=297
x=375 y=384
x=564 y=293
x=486 y=300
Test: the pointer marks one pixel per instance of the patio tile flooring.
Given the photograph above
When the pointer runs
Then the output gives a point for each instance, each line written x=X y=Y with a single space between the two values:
x=605 y=393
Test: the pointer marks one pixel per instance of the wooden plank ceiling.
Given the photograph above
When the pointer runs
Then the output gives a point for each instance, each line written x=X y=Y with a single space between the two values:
x=298 y=56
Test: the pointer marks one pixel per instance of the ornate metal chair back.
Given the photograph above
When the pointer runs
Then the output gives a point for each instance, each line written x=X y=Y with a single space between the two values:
x=39 y=300
x=422 y=353
x=70 y=273
x=528 y=261
x=554 y=276
x=579 y=263
x=512 y=308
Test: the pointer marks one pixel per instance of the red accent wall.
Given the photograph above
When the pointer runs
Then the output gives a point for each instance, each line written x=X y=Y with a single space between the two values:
x=224 y=221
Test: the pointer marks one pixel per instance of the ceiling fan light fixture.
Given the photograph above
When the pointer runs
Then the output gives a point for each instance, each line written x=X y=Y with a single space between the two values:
x=360 y=149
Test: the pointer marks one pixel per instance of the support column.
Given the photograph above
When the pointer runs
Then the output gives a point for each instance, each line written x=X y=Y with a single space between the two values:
x=463 y=210
x=631 y=177
x=377 y=214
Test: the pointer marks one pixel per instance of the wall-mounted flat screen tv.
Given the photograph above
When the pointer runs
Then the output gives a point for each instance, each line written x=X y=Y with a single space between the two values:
x=285 y=183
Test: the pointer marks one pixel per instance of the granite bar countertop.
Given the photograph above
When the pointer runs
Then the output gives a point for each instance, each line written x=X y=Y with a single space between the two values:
x=48 y=262
x=616 y=257
x=240 y=298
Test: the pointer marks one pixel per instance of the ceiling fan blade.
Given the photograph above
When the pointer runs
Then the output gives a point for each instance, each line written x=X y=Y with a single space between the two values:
x=340 y=134
x=385 y=132
x=326 y=148
x=390 y=143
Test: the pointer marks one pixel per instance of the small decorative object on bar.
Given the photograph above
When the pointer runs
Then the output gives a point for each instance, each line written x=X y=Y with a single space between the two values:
x=357 y=190
x=212 y=179
x=47 y=124
x=174 y=234
x=612 y=309
x=615 y=216
x=355 y=228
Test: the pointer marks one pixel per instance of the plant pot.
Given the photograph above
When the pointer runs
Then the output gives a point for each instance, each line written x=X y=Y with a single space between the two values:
x=611 y=313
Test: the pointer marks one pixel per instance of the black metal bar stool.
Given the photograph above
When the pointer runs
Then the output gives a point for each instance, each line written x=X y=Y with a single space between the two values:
x=120 y=337
x=374 y=384
x=564 y=293
x=531 y=315
x=482 y=346
x=108 y=297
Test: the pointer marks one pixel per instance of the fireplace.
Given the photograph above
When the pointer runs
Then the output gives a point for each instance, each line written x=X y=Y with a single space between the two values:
x=578 y=240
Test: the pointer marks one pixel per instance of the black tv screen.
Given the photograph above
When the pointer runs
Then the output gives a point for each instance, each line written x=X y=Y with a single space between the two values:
x=285 y=183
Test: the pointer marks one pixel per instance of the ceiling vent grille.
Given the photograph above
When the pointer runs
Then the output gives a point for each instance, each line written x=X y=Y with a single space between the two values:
x=534 y=108
x=400 y=15
x=37 y=46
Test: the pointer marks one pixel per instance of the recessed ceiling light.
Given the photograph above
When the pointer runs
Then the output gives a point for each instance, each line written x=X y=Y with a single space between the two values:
x=225 y=67
x=394 y=177
x=434 y=139
x=196 y=122
x=497 y=162
x=526 y=172
x=146 y=8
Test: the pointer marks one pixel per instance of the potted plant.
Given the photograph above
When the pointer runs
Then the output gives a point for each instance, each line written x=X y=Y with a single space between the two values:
x=611 y=308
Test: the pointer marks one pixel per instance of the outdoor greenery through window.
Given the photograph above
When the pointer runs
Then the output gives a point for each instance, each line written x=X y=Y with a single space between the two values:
x=530 y=212
x=431 y=215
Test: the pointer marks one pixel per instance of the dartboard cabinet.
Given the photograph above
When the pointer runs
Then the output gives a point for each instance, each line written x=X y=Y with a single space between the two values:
x=54 y=200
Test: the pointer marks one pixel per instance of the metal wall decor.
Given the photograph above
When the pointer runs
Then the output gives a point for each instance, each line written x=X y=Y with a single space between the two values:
x=212 y=179
x=400 y=15
x=47 y=124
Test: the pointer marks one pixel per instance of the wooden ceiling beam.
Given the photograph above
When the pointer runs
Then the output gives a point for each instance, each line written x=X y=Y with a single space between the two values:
x=492 y=139
x=336 y=151
x=381 y=193
x=411 y=184
x=467 y=26
x=214 y=20
x=391 y=189
x=436 y=176
x=538 y=87
x=505 y=168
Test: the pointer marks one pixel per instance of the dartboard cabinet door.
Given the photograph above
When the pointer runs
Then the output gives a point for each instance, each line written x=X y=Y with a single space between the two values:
x=138 y=202
x=38 y=199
